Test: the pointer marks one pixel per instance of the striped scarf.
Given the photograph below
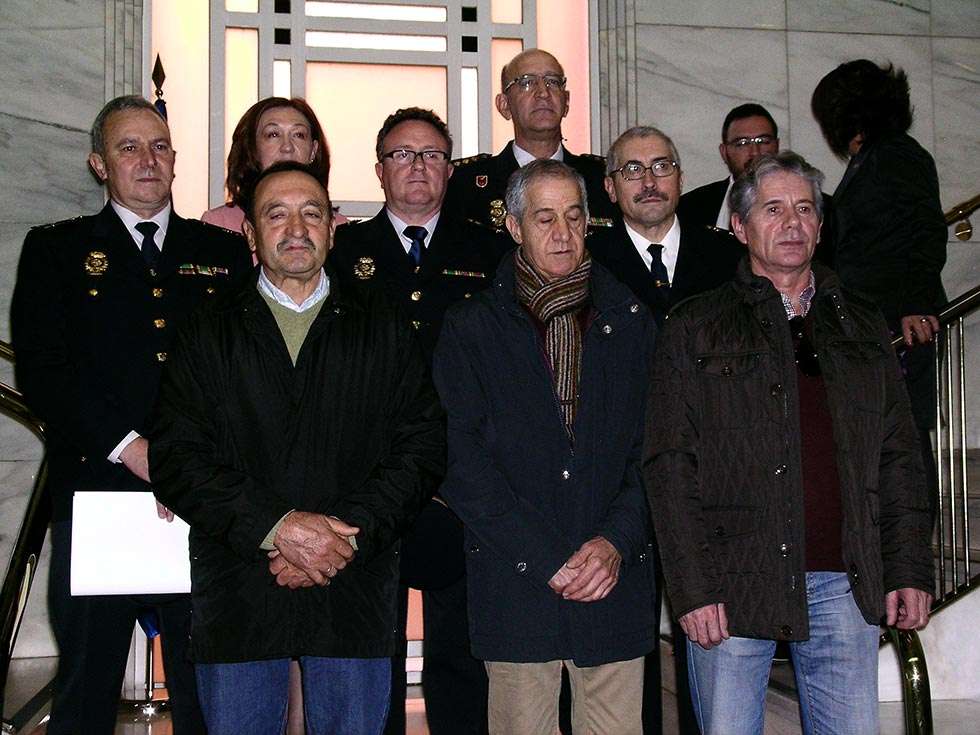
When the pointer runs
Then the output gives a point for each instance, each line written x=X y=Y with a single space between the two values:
x=554 y=304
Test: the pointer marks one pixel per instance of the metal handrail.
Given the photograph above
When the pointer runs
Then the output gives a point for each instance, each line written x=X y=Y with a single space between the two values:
x=959 y=216
x=30 y=539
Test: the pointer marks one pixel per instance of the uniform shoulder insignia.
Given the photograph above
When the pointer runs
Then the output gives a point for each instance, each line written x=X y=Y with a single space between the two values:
x=471 y=159
x=219 y=228
x=600 y=222
x=49 y=225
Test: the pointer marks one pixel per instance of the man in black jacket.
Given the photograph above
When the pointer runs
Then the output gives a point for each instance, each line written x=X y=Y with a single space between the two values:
x=297 y=432
x=662 y=258
x=533 y=97
x=97 y=302
x=748 y=132
x=425 y=258
x=783 y=466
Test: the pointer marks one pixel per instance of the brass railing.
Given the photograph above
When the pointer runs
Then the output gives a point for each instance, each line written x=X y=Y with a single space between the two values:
x=27 y=548
x=959 y=217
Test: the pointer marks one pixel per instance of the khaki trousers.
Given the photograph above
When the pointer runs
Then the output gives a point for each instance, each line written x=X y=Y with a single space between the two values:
x=606 y=699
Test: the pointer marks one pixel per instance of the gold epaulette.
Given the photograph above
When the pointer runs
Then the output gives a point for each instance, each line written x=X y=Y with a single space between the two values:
x=471 y=159
x=49 y=225
x=600 y=222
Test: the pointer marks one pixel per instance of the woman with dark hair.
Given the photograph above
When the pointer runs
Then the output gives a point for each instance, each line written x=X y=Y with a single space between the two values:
x=273 y=129
x=887 y=223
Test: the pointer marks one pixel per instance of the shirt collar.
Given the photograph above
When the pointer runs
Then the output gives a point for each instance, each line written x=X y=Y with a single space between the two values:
x=724 y=221
x=524 y=158
x=806 y=297
x=279 y=296
x=671 y=246
x=130 y=219
x=399 y=224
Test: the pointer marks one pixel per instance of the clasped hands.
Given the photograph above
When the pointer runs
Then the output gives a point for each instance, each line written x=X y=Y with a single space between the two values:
x=590 y=573
x=311 y=549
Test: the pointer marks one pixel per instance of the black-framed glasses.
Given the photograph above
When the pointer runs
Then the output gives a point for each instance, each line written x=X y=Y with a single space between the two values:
x=405 y=157
x=634 y=170
x=759 y=140
x=527 y=82
x=806 y=356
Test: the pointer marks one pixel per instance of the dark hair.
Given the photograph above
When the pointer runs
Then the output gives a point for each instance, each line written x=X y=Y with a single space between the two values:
x=745 y=190
x=749 y=109
x=243 y=158
x=119 y=104
x=247 y=195
x=413 y=113
x=860 y=97
x=522 y=178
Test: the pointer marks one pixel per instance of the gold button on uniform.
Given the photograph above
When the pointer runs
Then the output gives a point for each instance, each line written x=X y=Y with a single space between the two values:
x=210 y=289
x=159 y=323
x=158 y=293
x=93 y=292
x=416 y=295
x=161 y=357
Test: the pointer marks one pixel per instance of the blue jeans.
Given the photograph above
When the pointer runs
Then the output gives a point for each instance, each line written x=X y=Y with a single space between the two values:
x=340 y=695
x=836 y=670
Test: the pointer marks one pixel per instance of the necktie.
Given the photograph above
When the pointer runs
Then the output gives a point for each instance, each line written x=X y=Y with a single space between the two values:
x=149 y=249
x=657 y=268
x=417 y=235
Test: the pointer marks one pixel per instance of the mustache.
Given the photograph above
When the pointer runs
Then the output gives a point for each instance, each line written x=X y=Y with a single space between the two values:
x=287 y=242
x=649 y=194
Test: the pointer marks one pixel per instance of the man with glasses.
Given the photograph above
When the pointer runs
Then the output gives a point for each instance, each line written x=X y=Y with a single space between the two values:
x=784 y=472
x=426 y=258
x=662 y=257
x=748 y=132
x=533 y=96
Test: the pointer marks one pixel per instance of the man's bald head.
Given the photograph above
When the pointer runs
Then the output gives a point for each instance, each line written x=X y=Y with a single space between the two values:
x=512 y=69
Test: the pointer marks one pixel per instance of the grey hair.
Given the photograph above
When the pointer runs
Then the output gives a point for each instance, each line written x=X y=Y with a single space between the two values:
x=119 y=104
x=522 y=178
x=746 y=188
x=639 y=131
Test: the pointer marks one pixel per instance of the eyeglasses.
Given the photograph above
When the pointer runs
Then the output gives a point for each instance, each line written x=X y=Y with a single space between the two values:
x=405 y=157
x=527 y=82
x=806 y=356
x=634 y=170
x=759 y=140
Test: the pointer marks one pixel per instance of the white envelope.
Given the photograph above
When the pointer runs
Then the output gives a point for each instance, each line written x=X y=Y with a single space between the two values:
x=120 y=547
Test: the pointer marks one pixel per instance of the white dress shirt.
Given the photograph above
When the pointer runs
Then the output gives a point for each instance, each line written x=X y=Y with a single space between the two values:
x=724 y=221
x=283 y=299
x=524 y=158
x=671 y=247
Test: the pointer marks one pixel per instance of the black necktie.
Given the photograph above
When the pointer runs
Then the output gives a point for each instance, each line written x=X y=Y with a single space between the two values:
x=657 y=268
x=149 y=249
x=417 y=235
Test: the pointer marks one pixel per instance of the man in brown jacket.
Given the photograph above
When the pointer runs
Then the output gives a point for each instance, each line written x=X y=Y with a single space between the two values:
x=784 y=474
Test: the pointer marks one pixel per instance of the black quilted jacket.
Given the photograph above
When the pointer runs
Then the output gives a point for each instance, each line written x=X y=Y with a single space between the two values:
x=722 y=460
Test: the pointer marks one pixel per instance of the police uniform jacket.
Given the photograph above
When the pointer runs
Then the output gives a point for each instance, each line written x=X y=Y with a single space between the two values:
x=92 y=329
x=723 y=468
x=706 y=259
x=459 y=261
x=477 y=187
x=241 y=436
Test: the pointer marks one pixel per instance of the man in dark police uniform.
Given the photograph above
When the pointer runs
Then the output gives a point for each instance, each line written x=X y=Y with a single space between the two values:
x=426 y=258
x=94 y=311
x=533 y=97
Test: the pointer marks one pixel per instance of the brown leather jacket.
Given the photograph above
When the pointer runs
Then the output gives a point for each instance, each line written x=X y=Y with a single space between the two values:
x=722 y=459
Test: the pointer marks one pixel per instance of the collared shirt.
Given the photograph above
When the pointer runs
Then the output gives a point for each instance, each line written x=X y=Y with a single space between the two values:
x=524 y=158
x=280 y=297
x=724 y=221
x=671 y=244
x=131 y=219
x=399 y=224
x=806 y=296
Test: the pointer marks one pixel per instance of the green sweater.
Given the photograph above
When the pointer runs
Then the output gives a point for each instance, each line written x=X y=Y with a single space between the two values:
x=293 y=325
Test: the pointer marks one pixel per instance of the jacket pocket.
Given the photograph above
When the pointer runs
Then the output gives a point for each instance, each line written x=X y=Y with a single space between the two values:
x=731 y=386
x=734 y=537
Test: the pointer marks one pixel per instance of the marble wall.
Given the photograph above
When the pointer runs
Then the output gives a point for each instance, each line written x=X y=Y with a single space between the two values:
x=62 y=60
x=682 y=64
